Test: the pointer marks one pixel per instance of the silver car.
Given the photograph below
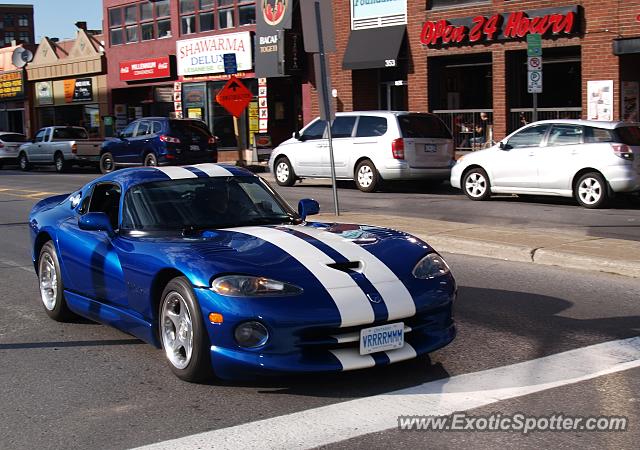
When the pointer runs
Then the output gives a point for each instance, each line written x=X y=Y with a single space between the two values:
x=587 y=160
x=369 y=147
x=9 y=144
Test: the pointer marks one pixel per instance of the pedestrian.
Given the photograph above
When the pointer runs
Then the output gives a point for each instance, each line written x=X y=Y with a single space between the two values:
x=481 y=130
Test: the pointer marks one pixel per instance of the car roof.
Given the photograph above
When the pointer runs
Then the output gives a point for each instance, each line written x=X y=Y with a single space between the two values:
x=590 y=123
x=186 y=119
x=381 y=113
x=2 y=133
x=127 y=178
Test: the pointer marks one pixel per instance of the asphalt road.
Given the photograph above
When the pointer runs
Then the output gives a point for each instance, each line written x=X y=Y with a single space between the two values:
x=84 y=385
x=621 y=220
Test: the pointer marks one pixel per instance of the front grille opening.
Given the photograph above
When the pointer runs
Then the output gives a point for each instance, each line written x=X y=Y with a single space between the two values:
x=348 y=267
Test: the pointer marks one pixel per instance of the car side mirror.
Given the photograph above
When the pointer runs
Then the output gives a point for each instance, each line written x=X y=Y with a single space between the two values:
x=308 y=207
x=96 y=221
x=296 y=135
x=504 y=146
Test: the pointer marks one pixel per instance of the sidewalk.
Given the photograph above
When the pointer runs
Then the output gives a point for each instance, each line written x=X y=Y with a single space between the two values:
x=573 y=251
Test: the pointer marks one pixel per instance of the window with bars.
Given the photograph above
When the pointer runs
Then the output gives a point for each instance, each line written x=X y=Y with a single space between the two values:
x=198 y=16
x=139 y=22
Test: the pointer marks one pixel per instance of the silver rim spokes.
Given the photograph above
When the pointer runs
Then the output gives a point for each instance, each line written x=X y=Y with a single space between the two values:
x=48 y=281
x=590 y=191
x=177 y=330
x=476 y=185
x=282 y=172
x=365 y=176
x=59 y=163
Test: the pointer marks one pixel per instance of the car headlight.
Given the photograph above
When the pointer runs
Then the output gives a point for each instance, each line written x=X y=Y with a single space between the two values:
x=248 y=286
x=431 y=266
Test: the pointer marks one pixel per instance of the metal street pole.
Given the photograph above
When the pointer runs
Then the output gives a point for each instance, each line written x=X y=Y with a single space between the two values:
x=535 y=108
x=327 y=105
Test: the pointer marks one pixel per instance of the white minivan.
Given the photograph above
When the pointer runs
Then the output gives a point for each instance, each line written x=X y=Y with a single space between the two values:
x=369 y=147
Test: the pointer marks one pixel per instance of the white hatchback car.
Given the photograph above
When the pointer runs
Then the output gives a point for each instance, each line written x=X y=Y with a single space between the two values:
x=368 y=147
x=587 y=160
x=10 y=142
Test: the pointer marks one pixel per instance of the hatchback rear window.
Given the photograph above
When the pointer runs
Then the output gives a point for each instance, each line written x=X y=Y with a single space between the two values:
x=629 y=135
x=13 y=138
x=423 y=126
x=189 y=128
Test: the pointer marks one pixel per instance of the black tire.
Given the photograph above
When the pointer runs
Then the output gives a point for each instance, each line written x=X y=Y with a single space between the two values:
x=150 y=160
x=366 y=176
x=23 y=162
x=476 y=185
x=60 y=164
x=56 y=305
x=107 y=163
x=591 y=191
x=198 y=366
x=283 y=172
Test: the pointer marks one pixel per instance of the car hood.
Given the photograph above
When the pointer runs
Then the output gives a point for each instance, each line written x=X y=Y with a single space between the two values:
x=291 y=253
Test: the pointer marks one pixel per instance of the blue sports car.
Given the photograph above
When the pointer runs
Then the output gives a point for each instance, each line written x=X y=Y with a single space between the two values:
x=210 y=264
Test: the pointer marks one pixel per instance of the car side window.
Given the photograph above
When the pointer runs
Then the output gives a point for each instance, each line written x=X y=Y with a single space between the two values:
x=343 y=126
x=39 y=137
x=565 y=135
x=143 y=128
x=529 y=137
x=371 y=126
x=597 y=135
x=315 y=130
x=156 y=127
x=128 y=132
x=106 y=198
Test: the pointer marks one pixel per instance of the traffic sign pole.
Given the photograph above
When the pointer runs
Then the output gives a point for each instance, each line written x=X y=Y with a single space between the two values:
x=534 y=70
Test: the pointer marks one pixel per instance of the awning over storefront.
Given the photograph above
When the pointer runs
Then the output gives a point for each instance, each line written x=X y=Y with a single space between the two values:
x=373 y=48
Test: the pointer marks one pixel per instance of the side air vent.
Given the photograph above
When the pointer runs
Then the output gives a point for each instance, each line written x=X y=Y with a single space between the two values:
x=349 y=266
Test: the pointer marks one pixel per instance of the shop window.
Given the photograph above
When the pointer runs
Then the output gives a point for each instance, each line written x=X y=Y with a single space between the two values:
x=115 y=17
x=147 y=32
x=164 y=28
x=246 y=14
x=132 y=34
x=116 y=36
x=188 y=24
x=225 y=18
x=206 y=21
x=187 y=6
x=146 y=11
x=130 y=14
x=163 y=8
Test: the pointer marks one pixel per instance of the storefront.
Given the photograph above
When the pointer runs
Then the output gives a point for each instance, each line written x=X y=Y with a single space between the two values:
x=201 y=74
x=69 y=83
x=12 y=101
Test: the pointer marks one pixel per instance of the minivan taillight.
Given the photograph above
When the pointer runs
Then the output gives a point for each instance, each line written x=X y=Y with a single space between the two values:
x=212 y=140
x=622 y=151
x=397 y=148
x=169 y=139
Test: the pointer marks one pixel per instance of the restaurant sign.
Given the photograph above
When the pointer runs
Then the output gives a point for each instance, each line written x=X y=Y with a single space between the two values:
x=145 y=69
x=563 y=21
x=11 y=85
x=205 y=55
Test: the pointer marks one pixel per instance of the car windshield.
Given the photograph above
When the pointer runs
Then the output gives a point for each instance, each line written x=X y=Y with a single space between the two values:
x=197 y=204
x=422 y=126
x=69 y=133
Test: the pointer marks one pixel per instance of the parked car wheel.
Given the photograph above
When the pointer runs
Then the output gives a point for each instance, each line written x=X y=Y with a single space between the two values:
x=591 y=190
x=476 y=184
x=150 y=160
x=60 y=163
x=284 y=172
x=51 y=287
x=23 y=162
x=182 y=332
x=367 y=177
x=106 y=163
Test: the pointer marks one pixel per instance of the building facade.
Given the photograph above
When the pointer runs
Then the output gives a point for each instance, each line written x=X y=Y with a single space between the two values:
x=15 y=97
x=16 y=24
x=461 y=58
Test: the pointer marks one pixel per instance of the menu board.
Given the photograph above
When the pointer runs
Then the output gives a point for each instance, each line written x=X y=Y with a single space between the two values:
x=11 y=86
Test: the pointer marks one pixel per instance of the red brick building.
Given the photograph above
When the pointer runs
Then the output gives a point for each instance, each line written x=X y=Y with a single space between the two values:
x=16 y=24
x=459 y=58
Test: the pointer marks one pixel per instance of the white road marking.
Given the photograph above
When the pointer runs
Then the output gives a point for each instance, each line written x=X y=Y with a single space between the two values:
x=177 y=173
x=352 y=303
x=16 y=265
x=396 y=297
x=213 y=170
x=341 y=421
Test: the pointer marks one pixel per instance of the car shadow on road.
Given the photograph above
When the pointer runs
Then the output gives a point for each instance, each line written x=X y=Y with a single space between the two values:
x=67 y=344
x=495 y=328
x=623 y=201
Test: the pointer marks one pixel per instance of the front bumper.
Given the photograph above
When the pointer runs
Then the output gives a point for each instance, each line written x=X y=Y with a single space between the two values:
x=302 y=342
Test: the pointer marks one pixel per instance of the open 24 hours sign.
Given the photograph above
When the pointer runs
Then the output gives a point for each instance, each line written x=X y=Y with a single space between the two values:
x=205 y=55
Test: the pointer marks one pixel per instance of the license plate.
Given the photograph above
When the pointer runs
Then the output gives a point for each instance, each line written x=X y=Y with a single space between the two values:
x=194 y=148
x=379 y=339
x=430 y=148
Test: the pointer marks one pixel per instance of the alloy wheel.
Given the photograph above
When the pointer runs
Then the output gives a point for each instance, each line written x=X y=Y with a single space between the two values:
x=475 y=185
x=365 y=176
x=590 y=191
x=48 y=281
x=177 y=330
x=282 y=172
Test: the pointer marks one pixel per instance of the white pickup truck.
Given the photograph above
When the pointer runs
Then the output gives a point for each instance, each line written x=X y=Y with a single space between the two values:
x=61 y=147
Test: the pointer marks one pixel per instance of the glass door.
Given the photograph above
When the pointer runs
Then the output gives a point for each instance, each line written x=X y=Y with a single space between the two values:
x=393 y=96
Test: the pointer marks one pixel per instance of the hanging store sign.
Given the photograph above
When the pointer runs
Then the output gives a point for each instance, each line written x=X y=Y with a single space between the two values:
x=11 y=85
x=145 y=69
x=44 y=93
x=377 y=13
x=500 y=27
x=205 y=55
x=78 y=90
x=273 y=17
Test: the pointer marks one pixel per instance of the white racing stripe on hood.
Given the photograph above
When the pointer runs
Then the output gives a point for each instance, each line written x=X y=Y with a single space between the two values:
x=351 y=359
x=394 y=293
x=351 y=301
x=213 y=170
x=177 y=173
